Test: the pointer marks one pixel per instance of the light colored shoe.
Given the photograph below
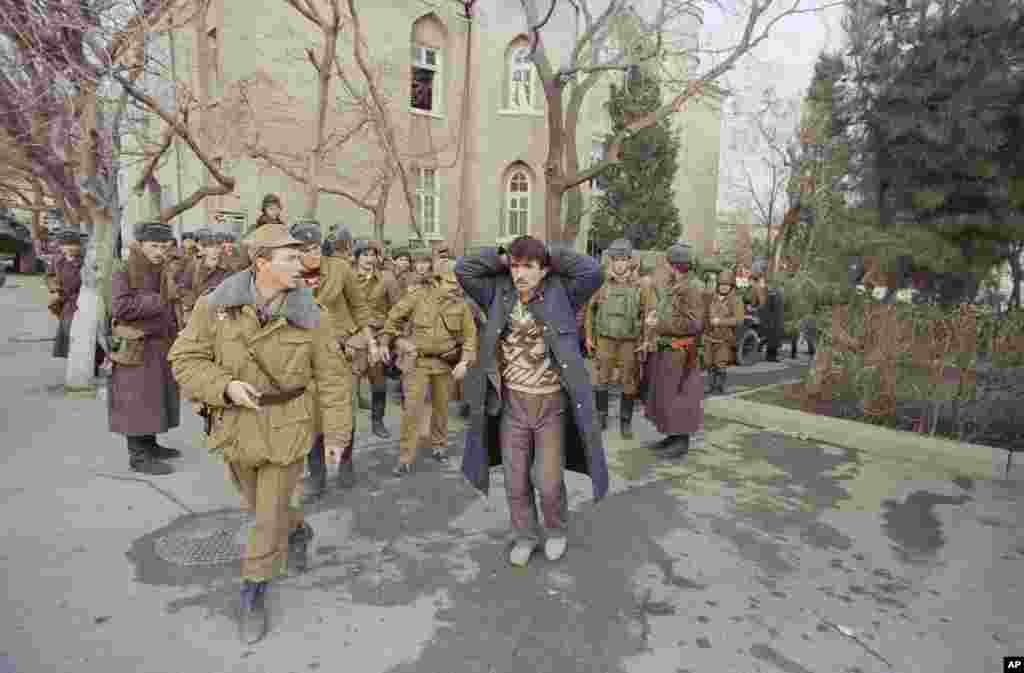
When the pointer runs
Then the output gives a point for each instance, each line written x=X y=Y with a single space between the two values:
x=554 y=548
x=520 y=554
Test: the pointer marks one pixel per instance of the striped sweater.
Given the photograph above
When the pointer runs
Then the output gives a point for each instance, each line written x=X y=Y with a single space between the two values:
x=526 y=366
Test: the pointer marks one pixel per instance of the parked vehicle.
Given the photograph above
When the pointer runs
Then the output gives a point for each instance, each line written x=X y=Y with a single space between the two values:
x=15 y=241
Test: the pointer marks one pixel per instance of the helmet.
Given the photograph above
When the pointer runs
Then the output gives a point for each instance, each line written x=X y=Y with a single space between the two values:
x=364 y=246
x=271 y=199
x=680 y=253
x=620 y=248
x=307 y=231
x=759 y=267
x=727 y=277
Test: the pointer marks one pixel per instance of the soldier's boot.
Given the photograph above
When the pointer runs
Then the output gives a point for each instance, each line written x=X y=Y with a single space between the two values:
x=160 y=452
x=298 y=548
x=252 y=613
x=722 y=375
x=626 y=416
x=346 y=468
x=601 y=399
x=142 y=461
x=380 y=401
x=316 y=480
x=678 y=447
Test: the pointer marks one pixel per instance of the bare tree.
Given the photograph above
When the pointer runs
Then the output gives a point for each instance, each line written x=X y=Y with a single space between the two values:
x=68 y=71
x=587 y=63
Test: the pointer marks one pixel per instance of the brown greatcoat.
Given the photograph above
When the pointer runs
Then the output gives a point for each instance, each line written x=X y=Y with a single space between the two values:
x=197 y=280
x=720 y=341
x=675 y=395
x=66 y=282
x=381 y=293
x=144 y=400
x=298 y=349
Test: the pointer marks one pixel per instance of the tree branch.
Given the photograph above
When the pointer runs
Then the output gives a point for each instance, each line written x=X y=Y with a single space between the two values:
x=152 y=161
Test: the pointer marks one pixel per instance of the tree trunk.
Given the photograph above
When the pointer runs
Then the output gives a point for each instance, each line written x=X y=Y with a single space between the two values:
x=574 y=197
x=381 y=210
x=330 y=51
x=92 y=306
x=554 y=169
x=1017 y=278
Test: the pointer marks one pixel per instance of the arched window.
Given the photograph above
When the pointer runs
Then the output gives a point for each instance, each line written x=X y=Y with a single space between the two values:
x=428 y=39
x=517 y=220
x=521 y=80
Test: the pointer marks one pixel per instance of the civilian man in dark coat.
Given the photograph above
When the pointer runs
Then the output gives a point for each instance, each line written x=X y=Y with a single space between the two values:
x=143 y=400
x=532 y=411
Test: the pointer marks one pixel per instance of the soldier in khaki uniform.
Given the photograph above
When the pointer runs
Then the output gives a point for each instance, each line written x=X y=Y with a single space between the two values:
x=724 y=314
x=335 y=287
x=380 y=292
x=205 y=274
x=252 y=353
x=615 y=333
x=445 y=340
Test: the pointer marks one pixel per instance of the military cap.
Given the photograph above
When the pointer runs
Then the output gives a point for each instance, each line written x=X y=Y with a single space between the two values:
x=271 y=199
x=364 y=246
x=679 y=253
x=154 y=231
x=204 y=236
x=69 y=237
x=271 y=236
x=343 y=235
x=759 y=267
x=307 y=231
x=417 y=254
x=620 y=248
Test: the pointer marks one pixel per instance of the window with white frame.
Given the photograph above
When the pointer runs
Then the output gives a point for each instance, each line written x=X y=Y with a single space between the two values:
x=426 y=79
x=428 y=200
x=518 y=205
x=598 y=152
x=521 y=80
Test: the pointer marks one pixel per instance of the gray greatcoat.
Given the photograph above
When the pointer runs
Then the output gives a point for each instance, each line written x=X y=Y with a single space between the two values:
x=572 y=281
x=144 y=400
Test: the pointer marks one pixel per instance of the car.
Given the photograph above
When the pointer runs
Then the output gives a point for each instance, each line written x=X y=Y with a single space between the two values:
x=15 y=240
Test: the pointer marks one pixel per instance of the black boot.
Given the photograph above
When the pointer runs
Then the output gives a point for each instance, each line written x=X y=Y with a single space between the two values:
x=316 y=480
x=160 y=452
x=678 y=446
x=142 y=461
x=380 y=401
x=346 y=477
x=721 y=381
x=601 y=399
x=252 y=613
x=626 y=416
x=298 y=548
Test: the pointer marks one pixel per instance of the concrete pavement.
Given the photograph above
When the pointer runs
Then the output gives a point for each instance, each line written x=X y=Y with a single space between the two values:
x=758 y=552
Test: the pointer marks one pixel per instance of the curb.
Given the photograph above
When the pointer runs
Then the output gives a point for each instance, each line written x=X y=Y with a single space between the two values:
x=977 y=460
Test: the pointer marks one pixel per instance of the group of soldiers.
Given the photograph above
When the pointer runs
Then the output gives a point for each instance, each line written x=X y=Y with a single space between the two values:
x=271 y=337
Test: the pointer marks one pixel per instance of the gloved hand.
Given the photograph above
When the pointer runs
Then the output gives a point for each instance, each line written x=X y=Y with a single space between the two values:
x=243 y=394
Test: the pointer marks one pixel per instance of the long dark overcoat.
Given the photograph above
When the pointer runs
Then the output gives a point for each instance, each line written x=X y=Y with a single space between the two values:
x=571 y=282
x=144 y=400
x=70 y=281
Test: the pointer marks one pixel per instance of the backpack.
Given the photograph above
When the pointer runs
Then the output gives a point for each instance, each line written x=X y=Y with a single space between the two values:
x=618 y=315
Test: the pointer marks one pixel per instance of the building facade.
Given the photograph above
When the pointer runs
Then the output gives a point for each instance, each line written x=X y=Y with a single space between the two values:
x=464 y=101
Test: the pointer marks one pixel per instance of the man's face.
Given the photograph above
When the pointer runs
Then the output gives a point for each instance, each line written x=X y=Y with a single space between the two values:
x=422 y=266
x=526 y=275
x=283 y=271
x=620 y=265
x=311 y=257
x=442 y=262
x=273 y=211
x=226 y=246
x=70 y=250
x=402 y=264
x=212 y=254
x=368 y=261
x=724 y=288
x=157 y=252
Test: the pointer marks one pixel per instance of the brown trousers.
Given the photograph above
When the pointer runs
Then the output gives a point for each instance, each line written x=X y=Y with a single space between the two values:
x=266 y=491
x=615 y=361
x=533 y=457
x=416 y=386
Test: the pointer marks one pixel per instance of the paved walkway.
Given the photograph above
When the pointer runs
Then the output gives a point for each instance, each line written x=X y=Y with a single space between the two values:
x=758 y=552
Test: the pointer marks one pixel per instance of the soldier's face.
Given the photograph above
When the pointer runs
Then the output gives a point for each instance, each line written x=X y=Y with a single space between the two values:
x=423 y=266
x=225 y=247
x=273 y=211
x=157 y=252
x=368 y=261
x=71 y=251
x=526 y=275
x=724 y=289
x=311 y=257
x=620 y=265
x=283 y=271
x=402 y=264
x=212 y=254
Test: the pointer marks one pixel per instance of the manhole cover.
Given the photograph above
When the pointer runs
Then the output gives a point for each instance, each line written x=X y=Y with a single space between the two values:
x=207 y=540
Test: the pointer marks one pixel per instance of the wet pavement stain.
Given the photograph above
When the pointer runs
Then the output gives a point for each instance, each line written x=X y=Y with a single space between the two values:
x=913 y=526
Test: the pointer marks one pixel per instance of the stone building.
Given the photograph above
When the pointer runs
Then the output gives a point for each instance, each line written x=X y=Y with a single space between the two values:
x=466 y=106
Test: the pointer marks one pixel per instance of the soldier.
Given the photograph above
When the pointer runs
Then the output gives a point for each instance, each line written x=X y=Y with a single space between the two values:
x=533 y=409
x=380 y=292
x=725 y=315
x=444 y=336
x=143 y=399
x=335 y=288
x=253 y=352
x=237 y=256
x=443 y=260
x=422 y=268
x=614 y=329
x=270 y=212
x=675 y=397
x=210 y=271
x=403 y=268
x=64 y=284
x=343 y=245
